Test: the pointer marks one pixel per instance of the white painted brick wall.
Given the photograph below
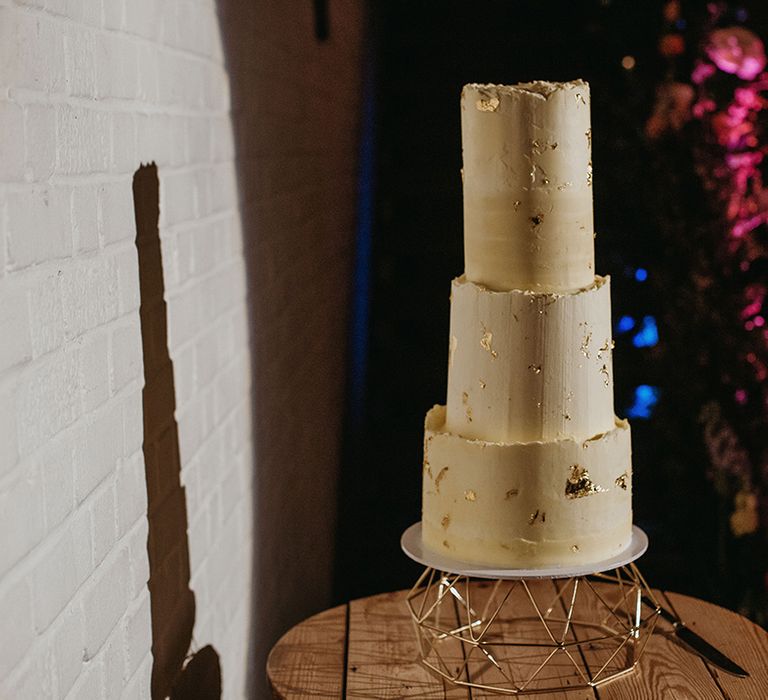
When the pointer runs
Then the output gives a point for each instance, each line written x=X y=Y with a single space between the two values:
x=89 y=90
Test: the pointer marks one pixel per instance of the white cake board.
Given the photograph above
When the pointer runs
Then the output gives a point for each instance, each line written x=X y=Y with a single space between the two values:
x=413 y=546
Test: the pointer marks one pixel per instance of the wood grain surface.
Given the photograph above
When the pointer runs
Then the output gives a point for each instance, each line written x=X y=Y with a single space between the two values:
x=368 y=649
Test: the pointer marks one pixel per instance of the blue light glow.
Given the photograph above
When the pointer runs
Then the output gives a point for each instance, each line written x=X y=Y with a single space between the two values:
x=361 y=290
x=625 y=324
x=648 y=335
x=641 y=274
x=646 y=397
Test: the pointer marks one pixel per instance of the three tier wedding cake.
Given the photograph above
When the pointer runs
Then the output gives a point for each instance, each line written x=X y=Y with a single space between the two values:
x=526 y=466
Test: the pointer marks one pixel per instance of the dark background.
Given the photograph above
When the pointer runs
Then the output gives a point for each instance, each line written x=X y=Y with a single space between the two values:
x=421 y=54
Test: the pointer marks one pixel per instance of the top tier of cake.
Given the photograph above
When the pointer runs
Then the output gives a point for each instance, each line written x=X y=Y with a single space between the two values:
x=528 y=186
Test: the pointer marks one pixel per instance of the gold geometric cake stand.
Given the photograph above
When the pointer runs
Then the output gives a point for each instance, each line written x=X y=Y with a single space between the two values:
x=517 y=632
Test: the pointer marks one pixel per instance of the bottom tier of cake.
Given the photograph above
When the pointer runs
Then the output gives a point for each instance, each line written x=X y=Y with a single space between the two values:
x=526 y=505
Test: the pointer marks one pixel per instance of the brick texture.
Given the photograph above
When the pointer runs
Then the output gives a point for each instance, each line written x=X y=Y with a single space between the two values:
x=252 y=124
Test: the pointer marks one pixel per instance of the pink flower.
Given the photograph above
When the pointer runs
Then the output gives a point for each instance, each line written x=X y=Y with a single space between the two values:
x=748 y=98
x=703 y=107
x=702 y=72
x=730 y=132
x=737 y=50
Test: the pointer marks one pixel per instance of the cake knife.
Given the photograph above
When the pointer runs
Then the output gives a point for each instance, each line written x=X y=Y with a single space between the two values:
x=697 y=643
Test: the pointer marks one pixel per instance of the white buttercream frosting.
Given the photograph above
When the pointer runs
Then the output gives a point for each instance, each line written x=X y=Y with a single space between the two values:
x=526 y=505
x=528 y=185
x=530 y=366
x=527 y=466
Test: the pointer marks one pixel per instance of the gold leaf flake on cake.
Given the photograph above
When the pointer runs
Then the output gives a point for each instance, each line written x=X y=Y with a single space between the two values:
x=585 y=345
x=516 y=204
x=566 y=416
x=537 y=219
x=468 y=413
x=446 y=545
x=538 y=515
x=580 y=99
x=564 y=186
x=607 y=346
x=446 y=521
x=483 y=384
x=510 y=493
x=575 y=548
x=486 y=342
x=548 y=300
x=487 y=104
x=536 y=369
x=440 y=476
x=464 y=397
x=427 y=468
x=588 y=134
x=606 y=375
x=621 y=481
x=470 y=495
x=579 y=483
x=539 y=147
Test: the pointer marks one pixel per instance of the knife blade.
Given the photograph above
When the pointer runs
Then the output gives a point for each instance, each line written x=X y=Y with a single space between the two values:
x=696 y=642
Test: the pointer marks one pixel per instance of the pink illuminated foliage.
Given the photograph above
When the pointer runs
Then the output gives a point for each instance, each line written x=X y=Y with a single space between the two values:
x=731 y=162
x=736 y=50
x=722 y=112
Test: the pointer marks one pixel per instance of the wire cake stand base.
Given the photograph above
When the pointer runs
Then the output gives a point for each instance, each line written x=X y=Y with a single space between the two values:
x=517 y=632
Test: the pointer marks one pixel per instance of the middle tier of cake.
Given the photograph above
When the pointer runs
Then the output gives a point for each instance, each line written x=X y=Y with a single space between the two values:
x=527 y=367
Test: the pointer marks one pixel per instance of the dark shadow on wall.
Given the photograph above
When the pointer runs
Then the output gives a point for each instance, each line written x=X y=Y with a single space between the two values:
x=172 y=602
x=294 y=79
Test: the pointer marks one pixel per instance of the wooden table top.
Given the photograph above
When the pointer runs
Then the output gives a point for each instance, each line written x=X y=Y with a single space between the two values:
x=367 y=649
